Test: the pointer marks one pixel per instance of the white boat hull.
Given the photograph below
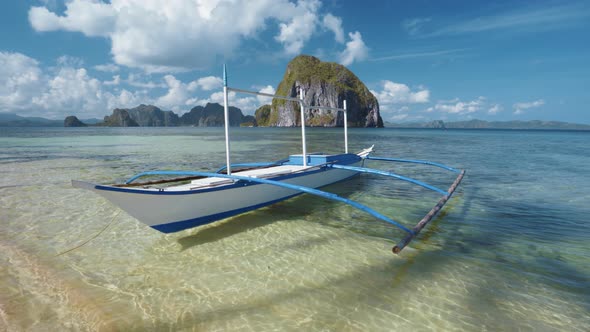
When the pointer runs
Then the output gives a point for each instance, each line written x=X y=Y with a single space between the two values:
x=176 y=210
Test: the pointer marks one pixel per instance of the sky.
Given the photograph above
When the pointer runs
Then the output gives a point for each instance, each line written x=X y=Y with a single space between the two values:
x=423 y=60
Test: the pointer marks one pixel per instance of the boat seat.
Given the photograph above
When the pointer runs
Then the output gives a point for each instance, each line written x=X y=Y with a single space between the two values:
x=209 y=182
x=261 y=173
x=269 y=175
x=268 y=172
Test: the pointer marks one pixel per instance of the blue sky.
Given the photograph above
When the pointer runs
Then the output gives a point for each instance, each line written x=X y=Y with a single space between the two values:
x=423 y=60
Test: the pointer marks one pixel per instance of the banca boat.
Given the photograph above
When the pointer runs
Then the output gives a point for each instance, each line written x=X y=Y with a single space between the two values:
x=179 y=200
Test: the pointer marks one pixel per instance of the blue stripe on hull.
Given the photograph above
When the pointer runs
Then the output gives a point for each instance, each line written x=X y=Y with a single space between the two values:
x=178 y=226
x=185 y=224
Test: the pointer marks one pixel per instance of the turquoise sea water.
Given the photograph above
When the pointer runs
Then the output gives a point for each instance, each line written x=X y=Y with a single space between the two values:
x=509 y=252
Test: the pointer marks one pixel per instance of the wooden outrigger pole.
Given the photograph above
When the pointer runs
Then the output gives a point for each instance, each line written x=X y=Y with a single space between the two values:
x=428 y=217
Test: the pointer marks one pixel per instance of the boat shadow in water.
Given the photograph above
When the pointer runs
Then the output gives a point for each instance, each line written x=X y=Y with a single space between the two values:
x=282 y=211
x=226 y=228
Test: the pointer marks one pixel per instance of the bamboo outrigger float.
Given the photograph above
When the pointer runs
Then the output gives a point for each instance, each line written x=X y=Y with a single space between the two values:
x=191 y=199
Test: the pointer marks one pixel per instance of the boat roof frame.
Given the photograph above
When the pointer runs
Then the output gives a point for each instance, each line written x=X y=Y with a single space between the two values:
x=303 y=106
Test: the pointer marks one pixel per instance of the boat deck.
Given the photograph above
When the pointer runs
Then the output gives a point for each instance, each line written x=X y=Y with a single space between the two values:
x=267 y=172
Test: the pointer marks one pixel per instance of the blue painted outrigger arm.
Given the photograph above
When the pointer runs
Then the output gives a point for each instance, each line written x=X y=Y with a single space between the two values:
x=303 y=189
x=390 y=174
x=428 y=217
x=424 y=162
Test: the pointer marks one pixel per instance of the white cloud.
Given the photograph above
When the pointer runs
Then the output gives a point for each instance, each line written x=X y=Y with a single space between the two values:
x=139 y=81
x=162 y=35
x=116 y=81
x=356 y=50
x=456 y=106
x=519 y=108
x=524 y=18
x=394 y=99
x=417 y=55
x=176 y=96
x=248 y=104
x=92 y=18
x=56 y=92
x=414 y=26
x=109 y=68
x=399 y=93
x=497 y=108
x=70 y=89
x=209 y=83
x=192 y=102
x=399 y=117
x=402 y=114
x=124 y=99
x=217 y=97
x=334 y=24
x=295 y=33
x=20 y=76
x=69 y=61
x=266 y=100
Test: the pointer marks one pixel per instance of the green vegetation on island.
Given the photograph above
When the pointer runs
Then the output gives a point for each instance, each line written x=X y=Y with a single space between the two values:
x=325 y=84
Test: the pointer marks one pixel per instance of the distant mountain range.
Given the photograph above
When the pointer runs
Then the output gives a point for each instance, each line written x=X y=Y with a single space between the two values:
x=212 y=115
x=482 y=124
x=13 y=120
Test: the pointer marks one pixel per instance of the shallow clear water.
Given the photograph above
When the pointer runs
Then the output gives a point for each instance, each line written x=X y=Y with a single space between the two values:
x=509 y=251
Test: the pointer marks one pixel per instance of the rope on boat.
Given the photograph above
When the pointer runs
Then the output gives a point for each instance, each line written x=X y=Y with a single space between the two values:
x=92 y=238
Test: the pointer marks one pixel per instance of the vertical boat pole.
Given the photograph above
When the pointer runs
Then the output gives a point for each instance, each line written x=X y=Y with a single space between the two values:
x=345 y=128
x=302 y=95
x=226 y=121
